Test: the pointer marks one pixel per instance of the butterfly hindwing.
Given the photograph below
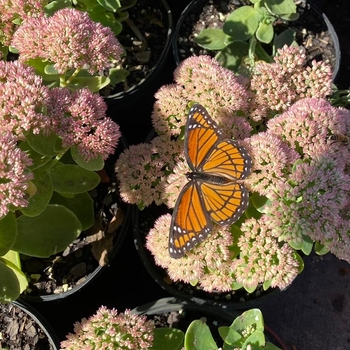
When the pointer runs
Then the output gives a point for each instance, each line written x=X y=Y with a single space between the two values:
x=190 y=223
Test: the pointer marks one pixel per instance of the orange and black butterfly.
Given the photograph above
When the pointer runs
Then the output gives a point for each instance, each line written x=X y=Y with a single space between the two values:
x=214 y=192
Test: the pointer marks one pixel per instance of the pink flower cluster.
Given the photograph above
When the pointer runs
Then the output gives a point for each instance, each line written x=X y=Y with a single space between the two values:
x=299 y=184
x=107 y=330
x=14 y=174
x=69 y=39
x=14 y=11
x=79 y=118
x=276 y=86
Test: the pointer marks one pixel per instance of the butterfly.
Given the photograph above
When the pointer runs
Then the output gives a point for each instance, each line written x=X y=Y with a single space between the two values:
x=213 y=192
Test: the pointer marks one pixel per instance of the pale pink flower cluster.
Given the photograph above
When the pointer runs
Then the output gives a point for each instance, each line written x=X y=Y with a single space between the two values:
x=23 y=99
x=212 y=261
x=108 y=330
x=262 y=258
x=14 y=174
x=14 y=11
x=79 y=118
x=203 y=80
x=276 y=86
x=70 y=40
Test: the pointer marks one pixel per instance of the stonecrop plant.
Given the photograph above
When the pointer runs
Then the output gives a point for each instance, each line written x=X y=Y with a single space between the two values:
x=107 y=329
x=66 y=46
x=52 y=143
x=299 y=183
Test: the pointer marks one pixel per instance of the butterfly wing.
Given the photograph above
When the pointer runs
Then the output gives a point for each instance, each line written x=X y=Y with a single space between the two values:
x=201 y=136
x=190 y=222
x=225 y=203
x=229 y=160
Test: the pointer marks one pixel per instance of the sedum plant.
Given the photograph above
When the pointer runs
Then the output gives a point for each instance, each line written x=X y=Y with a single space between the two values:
x=68 y=46
x=52 y=142
x=109 y=330
x=247 y=29
x=299 y=181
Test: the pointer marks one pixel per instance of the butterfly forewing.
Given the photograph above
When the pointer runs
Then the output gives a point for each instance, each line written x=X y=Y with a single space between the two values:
x=190 y=223
x=202 y=135
x=228 y=159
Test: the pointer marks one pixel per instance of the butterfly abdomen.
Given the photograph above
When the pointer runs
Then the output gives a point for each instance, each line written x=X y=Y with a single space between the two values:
x=210 y=178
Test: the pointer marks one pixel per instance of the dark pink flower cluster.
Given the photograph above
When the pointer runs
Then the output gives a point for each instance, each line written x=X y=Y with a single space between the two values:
x=79 y=118
x=70 y=40
x=109 y=330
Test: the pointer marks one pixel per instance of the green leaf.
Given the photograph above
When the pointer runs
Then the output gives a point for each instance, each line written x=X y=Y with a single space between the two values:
x=167 y=338
x=287 y=37
x=72 y=179
x=117 y=75
x=198 y=337
x=242 y=23
x=94 y=84
x=211 y=39
x=54 y=6
x=41 y=198
x=8 y=232
x=265 y=32
x=48 y=233
x=110 y=5
x=43 y=144
x=256 y=340
x=13 y=281
x=278 y=7
x=232 y=55
x=320 y=249
x=81 y=205
x=93 y=164
x=37 y=158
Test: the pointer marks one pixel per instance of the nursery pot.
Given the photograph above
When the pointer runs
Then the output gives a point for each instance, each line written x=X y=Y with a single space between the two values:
x=193 y=19
x=159 y=50
x=232 y=300
x=27 y=327
x=66 y=273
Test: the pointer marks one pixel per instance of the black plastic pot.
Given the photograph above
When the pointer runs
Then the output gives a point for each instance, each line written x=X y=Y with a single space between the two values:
x=118 y=240
x=189 y=14
x=40 y=321
x=124 y=99
x=230 y=301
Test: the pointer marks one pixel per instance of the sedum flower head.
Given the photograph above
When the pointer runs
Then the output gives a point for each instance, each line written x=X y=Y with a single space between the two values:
x=23 y=99
x=109 y=330
x=14 y=174
x=14 y=11
x=70 y=40
x=276 y=86
x=80 y=120
x=310 y=202
x=262 y=258
x=208 y=265
x=203 y=80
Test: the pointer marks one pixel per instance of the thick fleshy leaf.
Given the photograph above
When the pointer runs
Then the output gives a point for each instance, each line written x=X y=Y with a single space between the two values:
x=39 y=201
x=8 y=233
x=242 y=23
x=48 y=233
x=278 y=7
x=265 y=32
x=232 y=55
x=73 y=179
x=81 y=205
x=167 y=338
x=43 y=144
x=12 y=282
x=199 y=337
x=92 y=164
x=211 y=39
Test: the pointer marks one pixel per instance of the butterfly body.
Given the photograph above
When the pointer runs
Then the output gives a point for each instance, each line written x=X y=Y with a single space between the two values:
x=214 y=191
